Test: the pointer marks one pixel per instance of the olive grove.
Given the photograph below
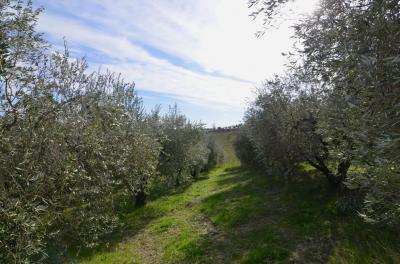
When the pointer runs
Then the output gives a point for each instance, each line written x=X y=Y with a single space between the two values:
x=74 y=144
x=337 y=107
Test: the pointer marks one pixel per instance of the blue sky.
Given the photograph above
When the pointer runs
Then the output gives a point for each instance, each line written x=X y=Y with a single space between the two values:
x=201 y=54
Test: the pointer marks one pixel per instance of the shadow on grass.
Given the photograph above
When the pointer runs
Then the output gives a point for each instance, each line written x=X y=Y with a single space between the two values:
x=132 y=220
x=242 y=221
x=259 y=219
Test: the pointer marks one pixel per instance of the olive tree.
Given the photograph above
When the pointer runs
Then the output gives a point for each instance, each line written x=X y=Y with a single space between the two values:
x=183 y=152
x=349 y=51
x=215 y=153
x=72 y=143
x=351 y=47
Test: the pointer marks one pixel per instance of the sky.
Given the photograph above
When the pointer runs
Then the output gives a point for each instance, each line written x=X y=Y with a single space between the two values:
x=201 y=54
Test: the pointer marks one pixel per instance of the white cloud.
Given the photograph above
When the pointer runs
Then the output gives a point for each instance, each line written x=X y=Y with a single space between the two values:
x=218 y=35
x=151 y=73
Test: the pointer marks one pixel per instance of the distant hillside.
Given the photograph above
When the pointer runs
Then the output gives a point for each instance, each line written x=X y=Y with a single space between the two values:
x=224 y=129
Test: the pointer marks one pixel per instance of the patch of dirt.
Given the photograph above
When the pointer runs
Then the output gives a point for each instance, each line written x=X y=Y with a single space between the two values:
x=148 y=250
x=195 y=202
x=206 y=226
x=312 y=251
x=258 y=224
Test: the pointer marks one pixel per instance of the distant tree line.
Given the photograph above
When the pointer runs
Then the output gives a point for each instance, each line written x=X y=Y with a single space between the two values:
x=338 y=106
x=224 y=129
x=75 y=145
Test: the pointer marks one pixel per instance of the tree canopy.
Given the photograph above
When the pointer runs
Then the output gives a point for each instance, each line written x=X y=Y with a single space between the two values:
x=337 y=108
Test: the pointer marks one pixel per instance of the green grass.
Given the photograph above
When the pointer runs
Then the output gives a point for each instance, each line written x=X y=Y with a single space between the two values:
x=241 y=216
x=238 y=215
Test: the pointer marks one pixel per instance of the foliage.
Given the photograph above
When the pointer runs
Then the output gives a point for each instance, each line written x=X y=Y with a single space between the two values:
x=246 y=152
x=215 y=155
x=284 y=128
x=364 y=72
x=183 y=150
x=338 y=106
x=74 y=144
x=268 y=9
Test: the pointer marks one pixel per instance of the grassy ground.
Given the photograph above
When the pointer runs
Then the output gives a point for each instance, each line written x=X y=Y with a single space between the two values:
x=237 y=215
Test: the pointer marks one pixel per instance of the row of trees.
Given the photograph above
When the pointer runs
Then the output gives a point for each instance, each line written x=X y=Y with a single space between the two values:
x=75 y=144
x=338 y=106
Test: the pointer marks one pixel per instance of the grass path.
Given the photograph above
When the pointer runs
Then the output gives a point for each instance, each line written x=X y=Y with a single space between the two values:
x=240 y=216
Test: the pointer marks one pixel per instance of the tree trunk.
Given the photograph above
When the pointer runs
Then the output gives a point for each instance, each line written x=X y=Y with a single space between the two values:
x=2 y=183
x=178 y=178
x=195 y=172
x=335 y=180
x=330 y=176
x=343 y=168
x=140 y=199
